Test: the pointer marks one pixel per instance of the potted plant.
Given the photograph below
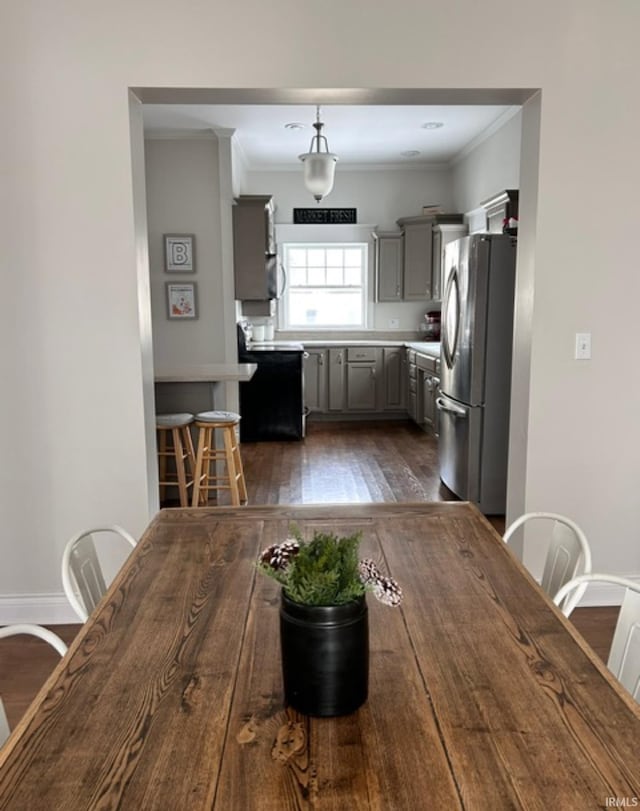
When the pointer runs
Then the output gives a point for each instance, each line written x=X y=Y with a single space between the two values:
x=324 y=632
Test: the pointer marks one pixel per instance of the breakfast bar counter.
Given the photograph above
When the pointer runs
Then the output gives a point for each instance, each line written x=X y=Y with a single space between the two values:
x=482 y=696
x=198 y=387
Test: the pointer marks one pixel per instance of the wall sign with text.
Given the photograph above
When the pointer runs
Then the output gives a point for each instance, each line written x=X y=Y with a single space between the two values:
x=325 y=216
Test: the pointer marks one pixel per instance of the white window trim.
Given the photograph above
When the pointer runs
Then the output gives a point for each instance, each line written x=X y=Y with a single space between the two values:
x=287 y=234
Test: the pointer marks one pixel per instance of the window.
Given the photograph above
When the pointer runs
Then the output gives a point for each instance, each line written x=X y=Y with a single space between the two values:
x=325 y=285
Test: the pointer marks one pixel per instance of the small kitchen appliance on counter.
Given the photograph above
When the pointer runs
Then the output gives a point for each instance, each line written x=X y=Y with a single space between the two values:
x=431 y=327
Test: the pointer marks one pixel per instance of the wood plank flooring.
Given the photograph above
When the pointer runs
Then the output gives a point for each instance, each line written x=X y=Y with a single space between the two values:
x=337 y=463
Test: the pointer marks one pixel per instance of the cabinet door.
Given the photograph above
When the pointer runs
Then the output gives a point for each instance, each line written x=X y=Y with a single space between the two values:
x=254 y=260
x=394 y=367
x=417 y=262
x=389 y=267
x=337 y=379
x=361 y=387
x=315 y=379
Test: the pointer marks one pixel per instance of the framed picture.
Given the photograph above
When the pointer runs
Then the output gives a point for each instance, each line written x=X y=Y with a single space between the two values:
x=178 y=253
x=181 y=300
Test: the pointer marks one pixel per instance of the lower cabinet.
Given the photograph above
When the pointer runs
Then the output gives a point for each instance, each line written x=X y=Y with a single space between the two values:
x=394 y=369
x=316 y=379
x=353 y=379
x=427 y=389
x=362 y=386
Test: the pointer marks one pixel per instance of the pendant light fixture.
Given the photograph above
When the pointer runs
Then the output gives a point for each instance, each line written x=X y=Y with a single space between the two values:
x=319 y=166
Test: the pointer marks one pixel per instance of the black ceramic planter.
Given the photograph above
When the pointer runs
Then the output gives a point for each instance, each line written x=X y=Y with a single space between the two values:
x=325 y=656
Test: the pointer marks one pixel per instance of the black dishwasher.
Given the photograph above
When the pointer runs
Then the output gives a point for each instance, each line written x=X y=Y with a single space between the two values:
x=271 y=404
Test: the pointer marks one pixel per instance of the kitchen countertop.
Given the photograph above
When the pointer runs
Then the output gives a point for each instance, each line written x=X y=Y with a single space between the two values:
x=431 y=348
x=207 y=373
x=275 y=346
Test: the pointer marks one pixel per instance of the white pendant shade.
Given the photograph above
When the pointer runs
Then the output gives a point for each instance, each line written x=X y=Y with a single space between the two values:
x=319 y=166
x=319 y=171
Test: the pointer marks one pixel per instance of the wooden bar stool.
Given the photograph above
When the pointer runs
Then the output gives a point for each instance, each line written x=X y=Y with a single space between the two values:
x=175 y=443
x=231 y=475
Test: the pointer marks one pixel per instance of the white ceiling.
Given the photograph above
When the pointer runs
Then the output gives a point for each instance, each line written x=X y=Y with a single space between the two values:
x=361 y=135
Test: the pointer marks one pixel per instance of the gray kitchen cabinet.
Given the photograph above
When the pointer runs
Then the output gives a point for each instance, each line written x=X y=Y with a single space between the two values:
x=316 y=379
x=428 y=375
x=361 y=386
x=255 y=258
x=417 y=257
x=388 y=265
x=362 y=378
x=337 y=379
x=443 y=234
x=394 y=378
x=412 y=385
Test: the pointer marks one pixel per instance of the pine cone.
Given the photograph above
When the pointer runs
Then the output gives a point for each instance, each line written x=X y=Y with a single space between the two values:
x=278 y=556
x=388 y=591
x=369 y=572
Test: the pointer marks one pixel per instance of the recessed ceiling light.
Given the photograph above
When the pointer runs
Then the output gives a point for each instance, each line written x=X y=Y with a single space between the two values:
x=294 y=125
x=432 y=125
x=410 y=153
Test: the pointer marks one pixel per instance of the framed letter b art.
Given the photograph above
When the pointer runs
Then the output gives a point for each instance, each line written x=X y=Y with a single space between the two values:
x=178 y=253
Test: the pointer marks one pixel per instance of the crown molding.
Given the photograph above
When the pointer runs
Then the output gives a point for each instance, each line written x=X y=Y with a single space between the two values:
x=498 y=124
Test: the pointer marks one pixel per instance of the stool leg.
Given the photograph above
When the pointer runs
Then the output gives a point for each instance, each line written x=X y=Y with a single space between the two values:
x=179 y=454
x=162 y=461
x=231 y=467
x=187 y=441
x=197 y=476
x=242 y=485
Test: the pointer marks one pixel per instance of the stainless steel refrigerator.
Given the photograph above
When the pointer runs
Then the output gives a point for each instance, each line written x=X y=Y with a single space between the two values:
x=475 y=368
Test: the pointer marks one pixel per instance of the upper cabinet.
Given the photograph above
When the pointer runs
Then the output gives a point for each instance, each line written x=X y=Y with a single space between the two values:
x=254 y=248
x=423 y=243
x=502 y=211
x=388 y=265
x=417 y=236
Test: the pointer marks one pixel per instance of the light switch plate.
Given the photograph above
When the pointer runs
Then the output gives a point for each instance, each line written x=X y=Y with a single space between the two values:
x=583 y=345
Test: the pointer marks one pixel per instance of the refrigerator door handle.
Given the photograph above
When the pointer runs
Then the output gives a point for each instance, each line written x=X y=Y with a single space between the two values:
x=451 y=299
x=444 y=405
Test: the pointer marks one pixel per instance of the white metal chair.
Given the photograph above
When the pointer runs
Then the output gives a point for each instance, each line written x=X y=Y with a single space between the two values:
x=624 y=657
x=82 y=577
x=33 y=630
x=568 y=550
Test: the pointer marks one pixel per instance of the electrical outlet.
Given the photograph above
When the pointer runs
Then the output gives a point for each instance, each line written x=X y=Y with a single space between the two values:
x=583 y=345
x=394 y=323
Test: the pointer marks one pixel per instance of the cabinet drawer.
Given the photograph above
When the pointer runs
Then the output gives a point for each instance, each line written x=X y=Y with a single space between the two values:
x=426 y=362
x=411 y=355
x=413 y=370
x=361 y=353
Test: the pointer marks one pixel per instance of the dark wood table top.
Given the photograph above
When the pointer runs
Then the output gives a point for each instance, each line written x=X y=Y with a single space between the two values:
x=481 y=697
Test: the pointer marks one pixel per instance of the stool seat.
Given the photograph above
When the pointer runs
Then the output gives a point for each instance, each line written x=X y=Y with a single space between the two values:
x=218 y=468
x=217 y=416
x=175 y=447
x=173 y=420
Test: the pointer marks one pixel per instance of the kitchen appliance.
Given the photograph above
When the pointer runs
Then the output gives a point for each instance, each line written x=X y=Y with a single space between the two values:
x=271 y=403
x=431 y=331
x=475 y=368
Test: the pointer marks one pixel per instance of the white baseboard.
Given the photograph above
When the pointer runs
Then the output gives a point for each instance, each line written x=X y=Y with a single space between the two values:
x=41 y=609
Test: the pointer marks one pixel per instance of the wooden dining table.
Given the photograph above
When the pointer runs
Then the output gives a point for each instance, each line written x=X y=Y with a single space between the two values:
x=482 y=696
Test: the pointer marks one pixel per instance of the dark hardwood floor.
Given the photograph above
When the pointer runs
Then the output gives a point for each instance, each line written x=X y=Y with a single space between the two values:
x=337 y=462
